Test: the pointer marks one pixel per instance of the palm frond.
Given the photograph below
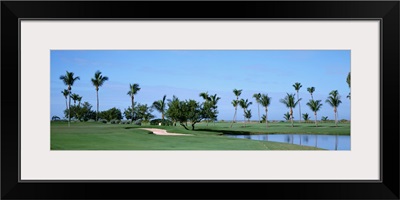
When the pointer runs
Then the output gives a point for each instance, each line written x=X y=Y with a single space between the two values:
x=297 y=86
x=237 y=92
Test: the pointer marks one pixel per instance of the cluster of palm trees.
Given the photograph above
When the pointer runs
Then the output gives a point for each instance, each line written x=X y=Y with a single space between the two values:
x=98 y=80
x=291 y=102
x=262 y=99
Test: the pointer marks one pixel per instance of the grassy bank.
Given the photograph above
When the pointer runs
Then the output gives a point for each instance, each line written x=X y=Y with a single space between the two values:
x=277 y=128
x=97 y=136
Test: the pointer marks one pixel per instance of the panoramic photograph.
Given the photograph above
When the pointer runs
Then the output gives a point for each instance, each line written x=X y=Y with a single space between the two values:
x=200 y=100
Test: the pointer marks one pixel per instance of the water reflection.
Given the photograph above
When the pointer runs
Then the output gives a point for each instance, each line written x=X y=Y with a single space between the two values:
x=330 y=142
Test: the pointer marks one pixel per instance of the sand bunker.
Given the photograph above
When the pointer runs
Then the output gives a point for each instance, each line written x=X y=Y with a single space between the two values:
x=163 y=132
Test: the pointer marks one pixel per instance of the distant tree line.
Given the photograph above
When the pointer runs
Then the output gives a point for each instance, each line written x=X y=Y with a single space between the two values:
x=187 y=111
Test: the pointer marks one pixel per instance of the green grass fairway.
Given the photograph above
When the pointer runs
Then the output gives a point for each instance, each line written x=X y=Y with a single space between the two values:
x=97 y=136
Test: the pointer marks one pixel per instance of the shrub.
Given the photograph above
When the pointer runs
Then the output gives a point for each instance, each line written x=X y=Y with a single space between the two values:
x=91 y=120
x=164 y=122
x=104 y=121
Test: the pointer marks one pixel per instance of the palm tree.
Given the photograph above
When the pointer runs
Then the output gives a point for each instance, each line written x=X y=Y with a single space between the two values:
x=265 y=100
x=297 y=87
x=173 y=105
x=160 y=106
x=134 y=88
x=286 y=116
x=235 y=103
x=348 y=83
x=306 y=117
x=74 y=97
x=214 y=100
x=247 y=114
x=257 y=96
x=315 y=106
x=65 y=92
x=69 y=80
x=237 y=94
x=244 y=104
x=97 y=82
x=334 y=101
x=311 y=90
x=206 y=98
x=290 y=103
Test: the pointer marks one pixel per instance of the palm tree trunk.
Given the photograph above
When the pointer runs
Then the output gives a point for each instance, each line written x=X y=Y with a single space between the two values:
x=266 y=118
x=69 y=109
x=66 y=103
x=132 y=99
x=234 y=117
x=244 y=118
x=335 y=116
x=258 y=112
x=291 y=116
x=315 y=114
x=299 y=107
x=97 y=114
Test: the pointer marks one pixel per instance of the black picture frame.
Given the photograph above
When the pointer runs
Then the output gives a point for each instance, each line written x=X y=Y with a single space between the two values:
x=386 y=11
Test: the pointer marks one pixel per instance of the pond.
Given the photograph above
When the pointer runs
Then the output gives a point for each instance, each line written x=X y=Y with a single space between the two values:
x=329 y=142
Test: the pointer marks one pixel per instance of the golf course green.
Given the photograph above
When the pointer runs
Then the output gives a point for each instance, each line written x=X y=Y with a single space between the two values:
x=99 y=136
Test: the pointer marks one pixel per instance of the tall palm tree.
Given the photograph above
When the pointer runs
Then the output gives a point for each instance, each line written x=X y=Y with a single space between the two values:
x=315 y=106
x=297 y=87
x=74 y=97
x=237 y=94
x=97 y=82
x=334 y=101
x=257 y=96
x=244 y=104
x=290 y=103
x=265 y=100
x=311 y=90
x=214 y=100
x=69 y=80
x=235 y=103
x=65 y=92
x=348 y=83
x=133 y=89
x=160 y=106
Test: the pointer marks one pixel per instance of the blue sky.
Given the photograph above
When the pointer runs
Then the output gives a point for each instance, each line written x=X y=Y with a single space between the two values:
x=186 y=73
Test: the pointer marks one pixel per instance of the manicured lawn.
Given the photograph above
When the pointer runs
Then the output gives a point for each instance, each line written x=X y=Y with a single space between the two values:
x=97 y=136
